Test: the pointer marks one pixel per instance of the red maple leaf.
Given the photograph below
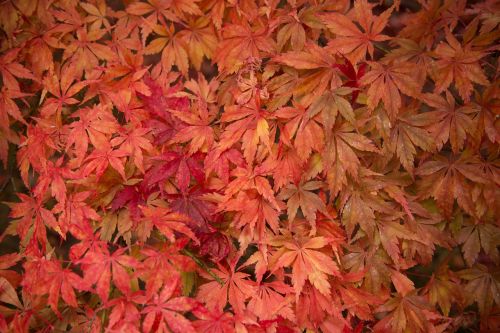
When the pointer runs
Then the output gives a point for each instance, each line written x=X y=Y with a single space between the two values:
x=99 y=267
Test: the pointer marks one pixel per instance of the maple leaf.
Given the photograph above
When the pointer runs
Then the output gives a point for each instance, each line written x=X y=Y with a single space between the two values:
x=164 y=99
x=235 y=288
x=447 y=179
x=161 y=267
x=483 y=170
x=340 y=157
x=93 y=127
x=68 y=15
x=254 y=213
x=284 y=86
x=63 y=85
x=124 y=315
x=428 y=237
x=390 y=232
x=129 y=74
x=300 y=126
x=180 y=164
x=7 y=261
x=313 y=308
x=172 y=48
x=451 y=123
x=162 y=312
x=240 y=42
x=458 y=64
x=402 y=283
x=8 y=294
x=410 y=312
x=101 y=158
x=220 y=162
x=308 y=263
x=377 y=268
x=11 y=69
x=359 y=301
x=181 y=8
x=60 y=283
x=160 y=103
x=482 y=287
x=99 y=266
x=131 y=197
x=125 y=102
x=198 y=130
x=485 y=116
x=215 y=245
x=249 y=124
x=475 y=237
x=288 y=167
x=301 y=195
x=215 y=322
x=350 y=40
x=85 y=51
x=32 y=218
x=75 y=213
x=9 y=107
x=39 y=53
x=260 y=261
x=196 y=205
x=200 y=40
x=91 y=242
x=330 y=104
x=294 y=27
x=353 y=76
x=156 y=10
x=133 y=143
x=386 y=84
x=409 y=132
x=253 y=179
x=166 y=221
x=412 y=52
x=39 y=142
x=97 y=15
x=423 y=25
x=269 y=302
x=202 y=92
x=52 y=176
x=325 y=74
x=355 y=211
x=443 y=289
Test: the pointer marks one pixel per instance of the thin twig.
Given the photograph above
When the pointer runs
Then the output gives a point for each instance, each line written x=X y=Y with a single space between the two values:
x=202 y=265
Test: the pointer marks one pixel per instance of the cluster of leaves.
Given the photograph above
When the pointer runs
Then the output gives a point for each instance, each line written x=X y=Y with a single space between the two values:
x=250 y=166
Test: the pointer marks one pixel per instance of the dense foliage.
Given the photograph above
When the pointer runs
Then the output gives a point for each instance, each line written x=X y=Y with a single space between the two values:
x=249 y=166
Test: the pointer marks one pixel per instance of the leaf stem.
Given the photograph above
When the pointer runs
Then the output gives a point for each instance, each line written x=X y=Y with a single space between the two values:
x=381 y=48
x=202 y=265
